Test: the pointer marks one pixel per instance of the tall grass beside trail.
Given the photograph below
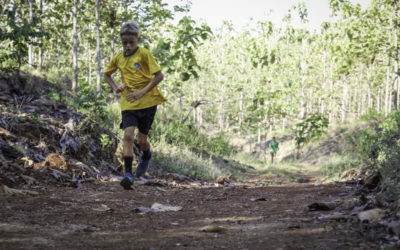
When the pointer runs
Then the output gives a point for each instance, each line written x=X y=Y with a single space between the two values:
x=286 y=170
x=175 y=132
x=180 y=159
x=184 y=149
x=114 y=115
x=334 y=166
x=250 y=160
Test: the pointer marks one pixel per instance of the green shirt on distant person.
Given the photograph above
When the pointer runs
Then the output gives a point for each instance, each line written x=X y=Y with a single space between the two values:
x=274 y=147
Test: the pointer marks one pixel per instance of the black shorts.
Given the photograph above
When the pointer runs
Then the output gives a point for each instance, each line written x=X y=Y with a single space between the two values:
x=141 y=118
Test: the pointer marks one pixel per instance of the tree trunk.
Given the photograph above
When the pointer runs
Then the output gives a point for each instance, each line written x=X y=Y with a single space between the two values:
x=330 y=109
x=303 y=102
x=355 y=107
x=387 y=88
x=364 y=100
x=388 y=71
x=396 y=61
x=221 y=113
x=75 y=52
x=194 y=97
x=199 y=116
x=113 y=17
x=88 y=62
x=90 y=70
x=265 y=142
x=345 y=102
x=126 y=9
x=98 y=47
x=378 y=101
x=41 y=35
x=310 y=102
x=369 y=87
x=30 y=49
x=241 y=114
x=360 y=101
x=324 y=84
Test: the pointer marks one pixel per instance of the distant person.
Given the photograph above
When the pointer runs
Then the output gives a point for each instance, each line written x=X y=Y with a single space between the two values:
x=139 y=96
x=274 y=145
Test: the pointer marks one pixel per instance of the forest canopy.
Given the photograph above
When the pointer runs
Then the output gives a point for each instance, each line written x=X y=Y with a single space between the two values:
x=249 y=82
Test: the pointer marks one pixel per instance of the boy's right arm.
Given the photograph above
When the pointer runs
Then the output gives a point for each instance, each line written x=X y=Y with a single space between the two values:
x=110 y=80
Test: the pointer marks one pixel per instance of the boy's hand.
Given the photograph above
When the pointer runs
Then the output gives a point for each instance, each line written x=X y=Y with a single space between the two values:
x=120 y=88
x=134 y=95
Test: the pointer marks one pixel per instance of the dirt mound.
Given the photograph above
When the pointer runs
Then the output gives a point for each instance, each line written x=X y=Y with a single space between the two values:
x=42 y=135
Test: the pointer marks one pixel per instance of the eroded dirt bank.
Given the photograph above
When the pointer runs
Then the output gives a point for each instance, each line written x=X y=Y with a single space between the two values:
x=240 y=215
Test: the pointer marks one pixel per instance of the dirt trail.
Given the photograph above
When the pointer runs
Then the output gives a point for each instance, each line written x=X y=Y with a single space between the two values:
x=242 y=215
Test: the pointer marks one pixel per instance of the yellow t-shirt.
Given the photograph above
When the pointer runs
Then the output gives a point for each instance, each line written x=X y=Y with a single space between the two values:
x=137 y=71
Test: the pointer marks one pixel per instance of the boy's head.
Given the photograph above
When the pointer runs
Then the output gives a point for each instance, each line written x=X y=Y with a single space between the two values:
x=130 y=36
x=130 y=28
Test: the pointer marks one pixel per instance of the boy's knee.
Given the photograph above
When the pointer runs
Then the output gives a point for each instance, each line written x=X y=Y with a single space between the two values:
x=129 y=137
x=142 y=141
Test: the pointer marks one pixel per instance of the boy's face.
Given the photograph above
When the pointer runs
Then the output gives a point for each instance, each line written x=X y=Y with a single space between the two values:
x=129 y=43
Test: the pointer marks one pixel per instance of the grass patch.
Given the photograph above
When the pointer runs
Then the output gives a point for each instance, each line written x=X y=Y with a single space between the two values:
x=286 y=170
x=334 y=166
x=180 y=159
x=248 y=159
x=114 y=115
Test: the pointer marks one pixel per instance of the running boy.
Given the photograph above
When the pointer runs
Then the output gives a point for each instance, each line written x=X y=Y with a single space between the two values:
x=139 y=96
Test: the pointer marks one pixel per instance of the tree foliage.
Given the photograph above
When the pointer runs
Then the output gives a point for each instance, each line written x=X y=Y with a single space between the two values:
x=249 y=82
x=311 y=128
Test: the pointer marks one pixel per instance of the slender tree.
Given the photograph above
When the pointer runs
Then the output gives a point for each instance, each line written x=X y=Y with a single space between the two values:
x=113 y=19
x=40 y=55
x=75 y=49
x=396 y=61
x=98 y=48
x=30 y=51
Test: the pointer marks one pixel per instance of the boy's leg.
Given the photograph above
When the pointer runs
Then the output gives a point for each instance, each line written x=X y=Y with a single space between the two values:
x=144 y=161
x=127 y=151
x=143 y=142
x=144 y=128
x=128 y=141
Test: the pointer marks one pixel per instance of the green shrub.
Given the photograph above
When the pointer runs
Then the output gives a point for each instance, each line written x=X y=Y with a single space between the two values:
x=372 y=115
x=311 y=128
x=391 y=124
x=379 y=147
x=92 y=103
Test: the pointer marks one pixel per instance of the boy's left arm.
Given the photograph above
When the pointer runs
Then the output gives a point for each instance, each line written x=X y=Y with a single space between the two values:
x=136 y=95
